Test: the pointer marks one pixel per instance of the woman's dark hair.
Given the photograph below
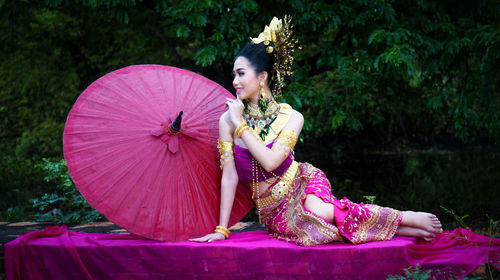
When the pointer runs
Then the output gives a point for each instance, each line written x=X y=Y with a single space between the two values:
x=258 y=57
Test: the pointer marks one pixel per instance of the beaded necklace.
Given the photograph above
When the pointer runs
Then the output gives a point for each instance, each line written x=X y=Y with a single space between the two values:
x=255 y=186
x=278 y=188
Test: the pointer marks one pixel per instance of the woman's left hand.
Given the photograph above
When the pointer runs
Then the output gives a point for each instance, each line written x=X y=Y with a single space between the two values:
x=235 y=110
x=209 y=237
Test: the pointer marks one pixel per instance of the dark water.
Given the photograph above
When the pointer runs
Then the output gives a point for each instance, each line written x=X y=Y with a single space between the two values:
x=466 y=181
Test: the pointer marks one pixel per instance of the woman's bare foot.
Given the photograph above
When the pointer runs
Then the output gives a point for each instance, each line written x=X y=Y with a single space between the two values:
x=422 y=220
x=415 y=232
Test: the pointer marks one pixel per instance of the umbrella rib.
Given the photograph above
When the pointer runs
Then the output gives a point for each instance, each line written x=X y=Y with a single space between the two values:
x=174 y=82
x=101 y=143
x=110 y=186
x=118 y=178
x=115 y=108
x=137 y=183
x=195 y=171
x=76 y=114
x=102 y=157
x=203 y=101
x=103 y=131
x=161 y=196
x=151 y=106
x=125 y=98
x=115 y=142
x=138 y=93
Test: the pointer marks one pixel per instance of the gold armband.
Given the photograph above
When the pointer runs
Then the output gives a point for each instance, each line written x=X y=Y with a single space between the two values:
x=288 y=138
x=225 y=147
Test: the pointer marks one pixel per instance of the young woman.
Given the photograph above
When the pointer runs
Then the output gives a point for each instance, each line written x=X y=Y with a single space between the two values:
x=294 y=200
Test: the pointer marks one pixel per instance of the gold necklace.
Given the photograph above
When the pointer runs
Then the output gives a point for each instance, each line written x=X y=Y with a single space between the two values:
x=258 y=121
x=254 y=110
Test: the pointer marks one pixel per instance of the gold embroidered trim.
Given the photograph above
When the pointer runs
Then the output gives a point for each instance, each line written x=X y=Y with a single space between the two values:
x=280 y=189
x=301 y=223
x=386 y=227
x=225 y=147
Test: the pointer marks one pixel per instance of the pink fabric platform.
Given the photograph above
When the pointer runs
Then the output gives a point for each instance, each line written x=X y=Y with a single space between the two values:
x=56 y=253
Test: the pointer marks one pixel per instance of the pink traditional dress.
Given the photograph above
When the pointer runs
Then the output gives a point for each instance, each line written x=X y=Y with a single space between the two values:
x=282 y=209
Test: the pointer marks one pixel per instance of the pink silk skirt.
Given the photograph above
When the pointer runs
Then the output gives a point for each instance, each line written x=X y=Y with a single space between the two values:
x=287 y=219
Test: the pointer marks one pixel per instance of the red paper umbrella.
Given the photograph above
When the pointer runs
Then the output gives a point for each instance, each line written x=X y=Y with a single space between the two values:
x=131 y=166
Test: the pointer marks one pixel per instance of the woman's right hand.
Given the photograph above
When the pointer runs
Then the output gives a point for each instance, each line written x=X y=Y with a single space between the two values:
x=209 y=237
x=235 y=110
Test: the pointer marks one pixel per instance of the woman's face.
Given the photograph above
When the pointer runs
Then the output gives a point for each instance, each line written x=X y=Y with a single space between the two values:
x=246 y=81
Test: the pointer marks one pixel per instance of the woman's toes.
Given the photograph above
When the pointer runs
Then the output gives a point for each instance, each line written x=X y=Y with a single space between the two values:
x=428 y=236
x=428 y=239
x=423 y=220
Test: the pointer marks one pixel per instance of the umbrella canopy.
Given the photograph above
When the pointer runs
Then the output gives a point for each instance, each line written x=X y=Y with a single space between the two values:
x=131 y=166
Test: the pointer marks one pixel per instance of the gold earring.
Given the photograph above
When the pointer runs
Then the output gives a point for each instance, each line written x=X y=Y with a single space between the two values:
x=262 y=91
x=263 y=100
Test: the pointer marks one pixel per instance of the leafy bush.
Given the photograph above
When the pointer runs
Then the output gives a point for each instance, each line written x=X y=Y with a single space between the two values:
x=66 y=204
x=416 y=273
x=413 y=272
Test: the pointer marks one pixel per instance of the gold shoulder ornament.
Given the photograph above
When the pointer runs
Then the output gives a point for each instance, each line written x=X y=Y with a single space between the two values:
x=288 y=137
x=225 y=151
x=286 y=142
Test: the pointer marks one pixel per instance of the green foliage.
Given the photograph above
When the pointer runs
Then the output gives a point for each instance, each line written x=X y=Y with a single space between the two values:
x=493 y=228
x=378 y=65
x=413 y=272
x=395 y=72
x=19 y=181
x=15 y=214
x=370 y=199
x=66 y=204
x=458 y=218
x=416 y=273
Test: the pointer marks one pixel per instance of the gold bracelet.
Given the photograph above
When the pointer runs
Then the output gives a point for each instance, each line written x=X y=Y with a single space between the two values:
x=242 y=130
x=226 y=236
x=223 y=229
x=240 y=126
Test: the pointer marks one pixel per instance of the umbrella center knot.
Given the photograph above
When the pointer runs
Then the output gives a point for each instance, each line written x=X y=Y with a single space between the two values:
x=166 y=134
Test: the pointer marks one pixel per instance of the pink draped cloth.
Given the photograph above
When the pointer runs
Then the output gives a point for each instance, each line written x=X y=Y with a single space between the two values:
x=56 y=253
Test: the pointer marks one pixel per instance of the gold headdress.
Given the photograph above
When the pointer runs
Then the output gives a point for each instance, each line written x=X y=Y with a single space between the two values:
x=279 y=32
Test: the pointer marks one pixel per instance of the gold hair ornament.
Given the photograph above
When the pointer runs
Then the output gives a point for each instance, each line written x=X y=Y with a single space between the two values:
x=280 y=33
